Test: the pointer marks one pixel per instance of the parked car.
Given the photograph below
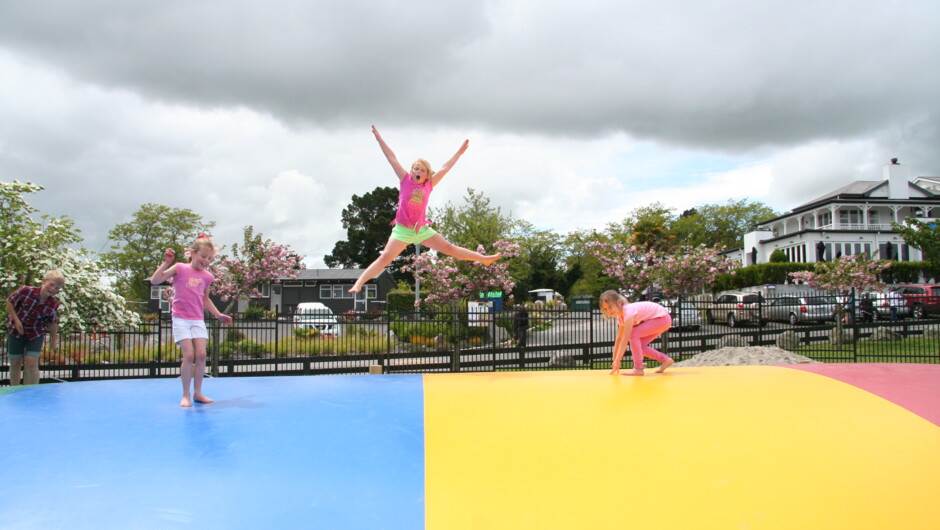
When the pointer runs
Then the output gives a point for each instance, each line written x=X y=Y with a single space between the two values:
x=884 y=302
x=798 y=309
x=315 y=315
x=684 y=314
x=921 y=298
x=737 y=308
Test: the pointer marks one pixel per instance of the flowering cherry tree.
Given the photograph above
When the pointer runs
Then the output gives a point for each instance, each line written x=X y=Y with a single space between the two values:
x=691 y=269
x=254 y=263
x=630 y=266
x=844 y=274
x=685 y=269
x=447 y=279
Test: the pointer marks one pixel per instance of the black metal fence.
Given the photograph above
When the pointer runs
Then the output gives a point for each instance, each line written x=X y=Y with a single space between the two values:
x=453 y=341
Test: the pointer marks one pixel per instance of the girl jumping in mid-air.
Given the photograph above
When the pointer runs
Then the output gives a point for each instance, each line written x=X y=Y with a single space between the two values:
x=637 y=324
x=190 y=299
x=411 y=226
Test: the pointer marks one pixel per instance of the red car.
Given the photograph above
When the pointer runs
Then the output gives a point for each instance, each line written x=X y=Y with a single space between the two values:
x=922 y=298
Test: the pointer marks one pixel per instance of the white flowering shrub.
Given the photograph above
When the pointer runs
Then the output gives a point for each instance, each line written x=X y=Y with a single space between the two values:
x=30 y=248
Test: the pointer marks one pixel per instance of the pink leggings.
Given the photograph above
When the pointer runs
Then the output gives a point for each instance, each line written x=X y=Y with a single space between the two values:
x=645 y=333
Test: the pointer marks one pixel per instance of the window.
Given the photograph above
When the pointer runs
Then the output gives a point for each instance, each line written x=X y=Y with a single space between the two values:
x=156 y=292
x=850 y=217
x=265 y=290
x=372 y=291
x=326 y=291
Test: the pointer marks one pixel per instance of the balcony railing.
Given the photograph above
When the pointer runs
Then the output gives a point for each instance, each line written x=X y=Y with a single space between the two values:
x=855 y=227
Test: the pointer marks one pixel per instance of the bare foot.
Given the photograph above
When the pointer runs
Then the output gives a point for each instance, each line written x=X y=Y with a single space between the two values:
x=355 y=288
x=185 y=402
x=488 y=260
x=667 y=364
x=198 y=397
x=633 y=372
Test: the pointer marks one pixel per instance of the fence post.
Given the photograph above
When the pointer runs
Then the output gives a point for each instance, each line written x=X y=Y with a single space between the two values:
x=215 y=347
x=455 y=356
x=159 y=339
x=855 y=329
x=384 y=361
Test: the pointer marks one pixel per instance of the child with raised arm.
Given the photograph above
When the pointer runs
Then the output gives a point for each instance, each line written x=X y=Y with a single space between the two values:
x=638 y=324
x=190 y=300
x=32 y=312
x=410 y=224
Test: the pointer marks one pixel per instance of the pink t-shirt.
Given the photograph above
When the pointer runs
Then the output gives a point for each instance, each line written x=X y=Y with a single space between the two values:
x=190 y=287
x=641 y=312
x=412 y=203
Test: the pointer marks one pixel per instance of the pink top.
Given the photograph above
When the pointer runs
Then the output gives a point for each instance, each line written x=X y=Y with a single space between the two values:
x=412 y=203
x=640 y=312
x=190 y=288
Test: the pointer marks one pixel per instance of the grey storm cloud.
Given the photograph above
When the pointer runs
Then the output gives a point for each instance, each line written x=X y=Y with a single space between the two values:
x=719 y=75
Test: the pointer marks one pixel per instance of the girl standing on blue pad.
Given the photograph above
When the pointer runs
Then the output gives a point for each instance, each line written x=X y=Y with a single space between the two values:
x=190 y=300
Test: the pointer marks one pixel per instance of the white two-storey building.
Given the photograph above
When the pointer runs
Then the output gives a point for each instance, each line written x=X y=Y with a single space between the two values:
x=854 y=219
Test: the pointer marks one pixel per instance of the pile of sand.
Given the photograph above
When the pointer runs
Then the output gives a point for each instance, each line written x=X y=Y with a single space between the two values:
x=745 y=356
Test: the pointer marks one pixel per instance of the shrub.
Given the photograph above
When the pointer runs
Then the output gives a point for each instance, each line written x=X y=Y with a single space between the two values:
x=245 y=347
x=233 y=335
x=254 y=313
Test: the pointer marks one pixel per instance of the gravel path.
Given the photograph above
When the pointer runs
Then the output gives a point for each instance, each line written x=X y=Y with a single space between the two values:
x=745 y=356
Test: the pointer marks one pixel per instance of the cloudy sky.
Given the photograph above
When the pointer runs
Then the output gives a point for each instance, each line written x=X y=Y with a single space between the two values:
x=577 y=112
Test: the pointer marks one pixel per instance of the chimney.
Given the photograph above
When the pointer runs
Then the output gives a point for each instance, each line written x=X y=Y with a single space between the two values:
x=896 y=175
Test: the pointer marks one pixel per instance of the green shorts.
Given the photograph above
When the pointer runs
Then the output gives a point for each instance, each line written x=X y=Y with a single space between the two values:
x=408 y=235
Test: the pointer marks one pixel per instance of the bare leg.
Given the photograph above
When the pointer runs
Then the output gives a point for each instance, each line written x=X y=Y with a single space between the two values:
x=199 y=371
x=438 y=243
x=31 y=374
x=391 y=251
x=16 y=371
x=186 y=371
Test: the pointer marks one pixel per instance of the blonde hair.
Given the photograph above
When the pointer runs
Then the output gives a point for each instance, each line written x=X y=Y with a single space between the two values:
x=55 y=276
x=203 y=243
x=611 y=297
x=427 y=166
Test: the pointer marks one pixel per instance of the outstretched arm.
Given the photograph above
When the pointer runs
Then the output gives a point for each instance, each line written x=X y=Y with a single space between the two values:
x=449 y=164
x=390 y=155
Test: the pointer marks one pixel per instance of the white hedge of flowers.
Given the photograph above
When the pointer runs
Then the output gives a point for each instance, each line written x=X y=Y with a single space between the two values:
x=29 y=249
x=86 y=301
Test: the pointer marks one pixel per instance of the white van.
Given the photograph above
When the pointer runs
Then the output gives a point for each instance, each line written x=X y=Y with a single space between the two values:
x=315 y=315
x=545 y=295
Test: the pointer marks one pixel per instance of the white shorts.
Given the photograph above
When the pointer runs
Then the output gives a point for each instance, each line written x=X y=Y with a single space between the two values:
x=189 y=329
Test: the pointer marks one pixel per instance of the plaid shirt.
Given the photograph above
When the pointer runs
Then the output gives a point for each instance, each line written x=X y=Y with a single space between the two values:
x=33 y=313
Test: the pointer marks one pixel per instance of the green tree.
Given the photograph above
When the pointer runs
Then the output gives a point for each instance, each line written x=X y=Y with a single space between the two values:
x=539 y=262
x=717 y=225
x=138 y=245
x=646 y=227
x=367 y=221
x=474 y=223
x=583 y=270
x=924 y=236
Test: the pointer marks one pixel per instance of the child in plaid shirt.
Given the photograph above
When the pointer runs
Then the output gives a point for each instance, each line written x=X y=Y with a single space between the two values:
x=33 y=311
